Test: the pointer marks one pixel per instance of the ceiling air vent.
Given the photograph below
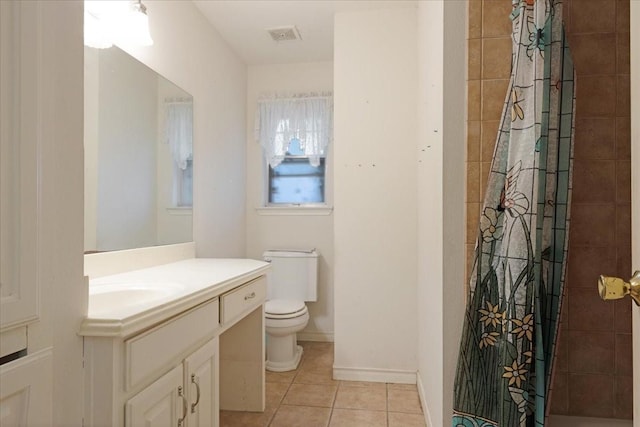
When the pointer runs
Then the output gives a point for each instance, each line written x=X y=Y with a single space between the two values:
x=282 y=34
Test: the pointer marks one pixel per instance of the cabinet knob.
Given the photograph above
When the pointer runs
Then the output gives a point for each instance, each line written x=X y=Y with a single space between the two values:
x=250 y=296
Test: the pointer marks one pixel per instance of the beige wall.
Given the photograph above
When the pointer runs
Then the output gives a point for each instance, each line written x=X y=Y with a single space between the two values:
x=271 y=230
x=594 y=351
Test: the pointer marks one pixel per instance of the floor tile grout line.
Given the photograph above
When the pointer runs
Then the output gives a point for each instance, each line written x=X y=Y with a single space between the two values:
x=386 y=389
x=273 y=416
x=333 y=404
x=306 y=405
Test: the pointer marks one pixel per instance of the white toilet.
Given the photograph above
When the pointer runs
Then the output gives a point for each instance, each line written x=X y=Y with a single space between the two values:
x=292 y=280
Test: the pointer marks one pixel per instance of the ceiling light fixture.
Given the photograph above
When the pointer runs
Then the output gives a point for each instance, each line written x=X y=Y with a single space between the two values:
x=116 y=21
x=136 y=28
x=96 y=32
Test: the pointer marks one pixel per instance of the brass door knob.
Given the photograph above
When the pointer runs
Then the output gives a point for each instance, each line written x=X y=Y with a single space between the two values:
x=611 y=288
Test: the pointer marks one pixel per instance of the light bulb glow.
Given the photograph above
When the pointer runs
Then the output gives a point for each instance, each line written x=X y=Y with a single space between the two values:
x=116 y=21
x=96 y=34
x=134 y=27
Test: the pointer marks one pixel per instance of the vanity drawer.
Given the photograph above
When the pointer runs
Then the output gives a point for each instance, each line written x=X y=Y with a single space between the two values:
x=242 y=300
x=153 y=352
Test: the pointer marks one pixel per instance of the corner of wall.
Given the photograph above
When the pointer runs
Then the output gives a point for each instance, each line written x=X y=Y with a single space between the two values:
x=441 y=194
x=423 y=400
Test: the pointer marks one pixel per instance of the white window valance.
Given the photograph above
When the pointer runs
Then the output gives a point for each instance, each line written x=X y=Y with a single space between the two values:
x=307 y=118
x=179 y=131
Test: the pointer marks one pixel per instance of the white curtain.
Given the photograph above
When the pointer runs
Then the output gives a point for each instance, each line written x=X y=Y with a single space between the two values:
x=305 y=117
x=179 y=131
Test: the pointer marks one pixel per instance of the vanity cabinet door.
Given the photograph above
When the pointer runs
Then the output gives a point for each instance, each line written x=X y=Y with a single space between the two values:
x=201 y=381
x=162 y=404
x=26 y=385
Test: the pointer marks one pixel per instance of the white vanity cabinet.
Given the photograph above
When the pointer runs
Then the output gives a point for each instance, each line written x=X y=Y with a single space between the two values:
x=202 y=386
x=158 y=404
x=186 y=396
x=180 y=361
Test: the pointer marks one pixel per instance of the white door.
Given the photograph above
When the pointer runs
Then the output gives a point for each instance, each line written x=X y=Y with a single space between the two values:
x=162 y=404
x=635 y=195
x=201 y=380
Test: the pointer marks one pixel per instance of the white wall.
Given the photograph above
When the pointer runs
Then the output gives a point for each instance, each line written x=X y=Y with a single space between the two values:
x=375 y=218
x=430 y=195
x=63 y=293
x=291 y=231
x=91 y=109
x=191 y=54
x=442 y=64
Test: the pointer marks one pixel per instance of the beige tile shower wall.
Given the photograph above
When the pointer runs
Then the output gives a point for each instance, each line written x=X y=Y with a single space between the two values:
x=594 y=351
x=489 y=68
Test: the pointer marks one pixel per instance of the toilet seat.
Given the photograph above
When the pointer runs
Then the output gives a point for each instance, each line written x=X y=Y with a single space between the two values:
x=284 y=309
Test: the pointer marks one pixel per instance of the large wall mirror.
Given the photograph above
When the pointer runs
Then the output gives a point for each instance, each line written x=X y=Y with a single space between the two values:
x=138 y=155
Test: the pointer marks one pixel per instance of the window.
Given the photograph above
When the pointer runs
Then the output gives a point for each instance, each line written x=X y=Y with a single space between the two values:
x=295 y=181
x=295 y=133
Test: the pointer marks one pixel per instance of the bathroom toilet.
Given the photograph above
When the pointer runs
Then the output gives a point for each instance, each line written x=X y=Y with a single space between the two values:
x=292 y=280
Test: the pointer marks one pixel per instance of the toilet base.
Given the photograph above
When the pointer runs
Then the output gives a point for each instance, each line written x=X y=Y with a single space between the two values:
x=287 y=365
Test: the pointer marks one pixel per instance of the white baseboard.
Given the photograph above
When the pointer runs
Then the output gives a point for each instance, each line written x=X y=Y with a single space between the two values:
x=563 y=421
x=423 y=401
x=315 y=336
x=374 y=375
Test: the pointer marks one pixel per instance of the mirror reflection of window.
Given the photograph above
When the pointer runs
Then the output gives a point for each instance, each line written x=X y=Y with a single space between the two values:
x=183 y=185
x=179 y=132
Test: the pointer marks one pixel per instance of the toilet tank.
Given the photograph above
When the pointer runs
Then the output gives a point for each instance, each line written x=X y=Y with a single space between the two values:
x=293 y=274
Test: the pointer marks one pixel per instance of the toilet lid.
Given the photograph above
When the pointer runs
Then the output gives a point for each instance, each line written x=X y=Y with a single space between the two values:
x=283 y=307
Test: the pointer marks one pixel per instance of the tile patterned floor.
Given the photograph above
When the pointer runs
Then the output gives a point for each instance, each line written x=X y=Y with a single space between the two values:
x=309 y=397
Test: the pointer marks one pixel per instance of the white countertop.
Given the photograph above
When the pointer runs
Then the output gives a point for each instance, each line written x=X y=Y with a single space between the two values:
x=174 y=288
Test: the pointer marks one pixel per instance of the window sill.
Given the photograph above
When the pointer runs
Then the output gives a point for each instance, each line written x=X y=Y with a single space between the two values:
x=295 y=210
x=180 y=210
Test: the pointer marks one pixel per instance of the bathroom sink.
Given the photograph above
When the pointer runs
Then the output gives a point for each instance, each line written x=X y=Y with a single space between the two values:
x=118 y=296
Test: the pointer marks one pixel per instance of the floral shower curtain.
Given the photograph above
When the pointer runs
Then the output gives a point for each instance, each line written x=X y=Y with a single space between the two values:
x=511 y=322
